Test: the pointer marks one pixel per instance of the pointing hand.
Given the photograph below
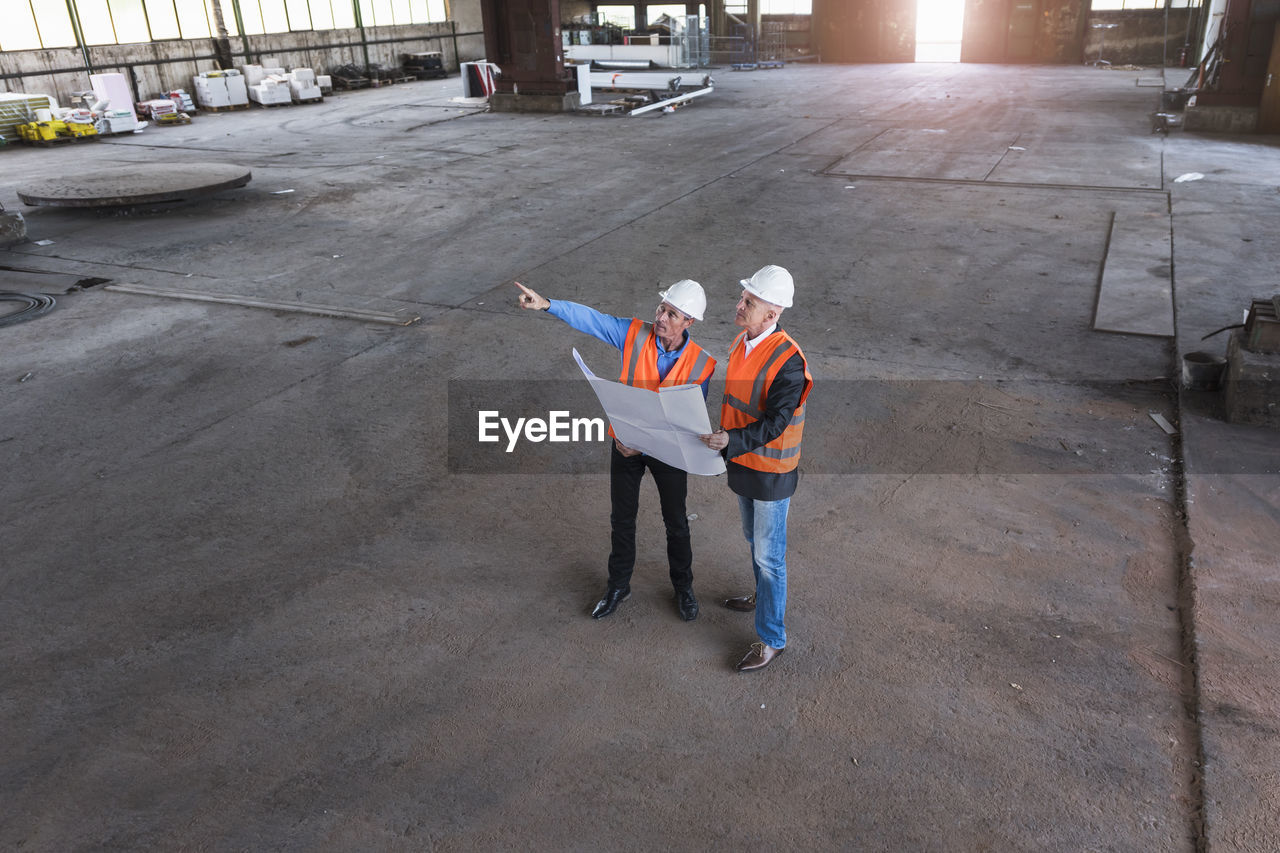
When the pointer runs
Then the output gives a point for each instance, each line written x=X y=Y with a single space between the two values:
x=530 y=300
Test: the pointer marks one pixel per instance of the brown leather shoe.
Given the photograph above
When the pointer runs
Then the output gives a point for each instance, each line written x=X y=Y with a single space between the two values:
x=742 y=604
x=759 y=657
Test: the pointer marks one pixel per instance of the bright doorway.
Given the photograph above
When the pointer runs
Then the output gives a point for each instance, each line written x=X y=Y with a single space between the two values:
x=939 y=29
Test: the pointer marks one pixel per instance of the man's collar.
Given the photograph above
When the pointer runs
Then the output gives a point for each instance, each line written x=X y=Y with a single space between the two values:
x=684 y=339
x=751 y=342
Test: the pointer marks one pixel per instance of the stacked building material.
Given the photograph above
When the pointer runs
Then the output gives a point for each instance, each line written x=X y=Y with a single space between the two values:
x=220 y=89
x=273 y=89
x=181 y=100
x=20 y=108
x=424 y=65
x=115 y=90
x=303 y=85
x=111 y=121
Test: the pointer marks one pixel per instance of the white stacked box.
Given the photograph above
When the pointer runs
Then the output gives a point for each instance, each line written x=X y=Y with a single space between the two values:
x=220 y=89
x=255 y=74
x=211 y=92
x=271 y=91
x=325 y=82
x=237 y=88
x=302 y=84
x=118 y=121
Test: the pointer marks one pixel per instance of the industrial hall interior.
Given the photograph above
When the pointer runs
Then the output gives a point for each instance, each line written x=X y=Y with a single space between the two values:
x=469 y=425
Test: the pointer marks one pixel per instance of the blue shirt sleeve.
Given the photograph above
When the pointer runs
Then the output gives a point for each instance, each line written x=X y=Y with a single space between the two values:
x=611 y=330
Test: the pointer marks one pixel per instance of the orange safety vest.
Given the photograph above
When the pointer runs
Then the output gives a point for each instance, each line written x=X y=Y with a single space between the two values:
x=640 y=362
x=746 y=389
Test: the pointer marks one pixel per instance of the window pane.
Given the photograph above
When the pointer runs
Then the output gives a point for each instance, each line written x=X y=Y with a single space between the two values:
x=273 y=17
x=436 y=11
x=164 y=21
x=653 y=13
x=1106 y=5
x=250 y=11
x=366 y=12
x=381 y=13
x=622 y=16
x=130 y=21
x=53 y=20
x=194 y=21
x=299 y=15
x=321 y=15
x=95 y=21
x=344 y=16
x=19 y=31
x=400 y=11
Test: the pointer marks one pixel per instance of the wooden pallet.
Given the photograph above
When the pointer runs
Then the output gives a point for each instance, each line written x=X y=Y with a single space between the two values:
x=602 y=109
x=319 y=100
x=272 y=106
x=228 y=109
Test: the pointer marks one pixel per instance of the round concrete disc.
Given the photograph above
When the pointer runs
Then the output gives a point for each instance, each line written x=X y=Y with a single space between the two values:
x=142 y=184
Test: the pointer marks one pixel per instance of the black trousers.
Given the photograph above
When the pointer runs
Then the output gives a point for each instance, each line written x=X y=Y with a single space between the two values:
x=625 y=474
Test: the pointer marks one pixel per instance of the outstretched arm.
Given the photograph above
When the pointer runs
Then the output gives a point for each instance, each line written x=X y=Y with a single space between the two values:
x=612 y=330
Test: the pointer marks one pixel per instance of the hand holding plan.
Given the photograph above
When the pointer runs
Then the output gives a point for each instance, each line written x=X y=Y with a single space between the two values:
x=665 y=425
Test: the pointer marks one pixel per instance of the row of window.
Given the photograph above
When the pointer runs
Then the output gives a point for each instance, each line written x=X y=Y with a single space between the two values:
x=625 y=16
x=1109 y=5
x=33 y=24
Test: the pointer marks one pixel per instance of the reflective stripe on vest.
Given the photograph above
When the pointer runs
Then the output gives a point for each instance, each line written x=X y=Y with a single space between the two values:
x=640 y=361
x=766 y=360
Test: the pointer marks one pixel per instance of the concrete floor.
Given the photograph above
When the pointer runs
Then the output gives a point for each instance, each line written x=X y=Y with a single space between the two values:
x=264 y=590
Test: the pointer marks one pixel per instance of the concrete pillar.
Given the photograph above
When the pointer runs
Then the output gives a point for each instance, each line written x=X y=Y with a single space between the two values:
x=1240 y=83
x=523 y=38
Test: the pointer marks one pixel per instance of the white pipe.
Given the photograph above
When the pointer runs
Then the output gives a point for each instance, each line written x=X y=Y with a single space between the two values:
x=679 y=99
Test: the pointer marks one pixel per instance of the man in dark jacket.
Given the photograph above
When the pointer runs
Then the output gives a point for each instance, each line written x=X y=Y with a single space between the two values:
x=761 y=426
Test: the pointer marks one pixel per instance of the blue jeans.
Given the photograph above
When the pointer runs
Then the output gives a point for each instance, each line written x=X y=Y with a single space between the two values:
x=764 y=523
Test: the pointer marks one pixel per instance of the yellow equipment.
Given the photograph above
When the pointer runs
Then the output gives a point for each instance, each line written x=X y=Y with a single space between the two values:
x=72 y=128
x=38 y=131
x=44 y=132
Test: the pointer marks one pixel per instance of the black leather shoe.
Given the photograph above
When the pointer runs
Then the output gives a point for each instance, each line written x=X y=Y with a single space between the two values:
x=608 y=604
x=687 y=604
x=742 y=604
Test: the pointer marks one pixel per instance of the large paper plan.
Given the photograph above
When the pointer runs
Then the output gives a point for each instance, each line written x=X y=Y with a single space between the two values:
x=665 y=425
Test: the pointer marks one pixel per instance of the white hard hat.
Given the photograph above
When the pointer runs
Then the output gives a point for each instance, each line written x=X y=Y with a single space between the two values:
x=686 y=296
x=773 y=284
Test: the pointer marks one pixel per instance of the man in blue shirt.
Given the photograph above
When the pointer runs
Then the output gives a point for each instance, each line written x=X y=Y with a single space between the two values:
x=653 y=355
